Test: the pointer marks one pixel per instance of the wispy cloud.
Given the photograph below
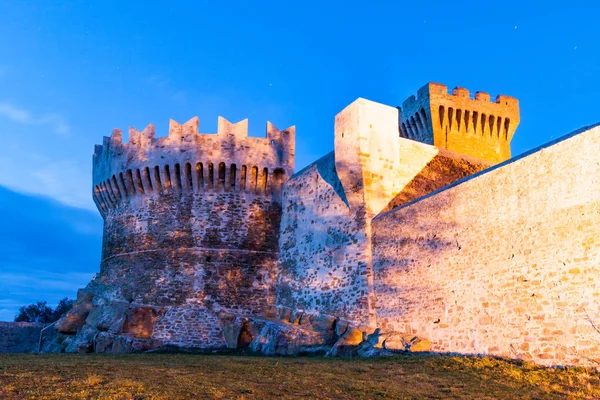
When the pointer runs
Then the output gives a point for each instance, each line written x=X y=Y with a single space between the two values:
x=55 y=121
x=29 y=287
x=157 y=80
x=165 y=88
x=24 y=283
x=63 y=180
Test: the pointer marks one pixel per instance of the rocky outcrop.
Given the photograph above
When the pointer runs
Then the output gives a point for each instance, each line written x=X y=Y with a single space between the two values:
x=285 y=340
x=405 y=342
x=107 y=325
x=75 y=319
x=348 y=344
x=98 y=324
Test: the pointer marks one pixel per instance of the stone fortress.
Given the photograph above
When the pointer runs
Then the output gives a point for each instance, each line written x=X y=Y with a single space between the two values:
x=417 y=233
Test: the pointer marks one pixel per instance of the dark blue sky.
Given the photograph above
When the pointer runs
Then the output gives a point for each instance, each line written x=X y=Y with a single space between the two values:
x=70 y=73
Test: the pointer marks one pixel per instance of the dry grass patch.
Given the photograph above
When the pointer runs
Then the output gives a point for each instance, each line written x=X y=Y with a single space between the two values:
x=160 y=376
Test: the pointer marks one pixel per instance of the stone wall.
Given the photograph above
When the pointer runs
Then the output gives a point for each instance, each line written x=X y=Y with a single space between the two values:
x=213 y=250
x=325 y=244
x=323 y=260
x=20 y=337
x=189 y=327
x=506 y=262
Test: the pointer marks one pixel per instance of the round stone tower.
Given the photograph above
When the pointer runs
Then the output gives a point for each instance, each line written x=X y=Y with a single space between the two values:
x=191 y=226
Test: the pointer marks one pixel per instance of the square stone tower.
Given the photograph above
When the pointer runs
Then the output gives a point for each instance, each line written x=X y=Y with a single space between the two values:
x=475 y=126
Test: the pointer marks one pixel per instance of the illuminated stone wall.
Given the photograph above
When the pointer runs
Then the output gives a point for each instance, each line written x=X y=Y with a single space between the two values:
x=507 y=262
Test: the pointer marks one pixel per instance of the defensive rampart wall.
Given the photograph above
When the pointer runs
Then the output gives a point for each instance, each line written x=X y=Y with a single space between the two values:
x=20 y=337
x=506 y=262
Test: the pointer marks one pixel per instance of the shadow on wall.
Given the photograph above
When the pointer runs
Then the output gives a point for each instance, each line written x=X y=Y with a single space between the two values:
x=327 y=171
x=320 y=281
x=444 y=169
x=393 y=261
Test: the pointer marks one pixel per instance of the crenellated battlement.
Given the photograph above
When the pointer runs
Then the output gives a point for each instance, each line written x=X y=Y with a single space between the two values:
x=186 y=161
x=188 y=133
x=474 y=126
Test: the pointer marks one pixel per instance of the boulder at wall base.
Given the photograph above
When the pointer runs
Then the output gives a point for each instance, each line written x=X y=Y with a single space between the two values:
x=84 y=296
x=404 y=342
x=321 y=323
x=246 y=334
x=285 y=340
x=395 y=341
x=231 y=326
x=79 y=345
x=115 y=344
x=83 y=341
x=371 y=346
x=341 y=326
x=240 y=331
x=108 y=317
x=74 y=320
x=348 y=344
x=139 y=322
x=104 y=342
x=52 y=341
x=295 y=317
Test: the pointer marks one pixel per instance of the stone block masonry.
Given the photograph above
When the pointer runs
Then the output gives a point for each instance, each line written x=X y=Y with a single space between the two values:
x=507 y=262
x=20 y=337
x=475 y=126
x=215 y=249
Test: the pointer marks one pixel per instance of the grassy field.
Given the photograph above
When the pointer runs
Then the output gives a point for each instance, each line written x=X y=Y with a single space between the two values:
x=161 y=376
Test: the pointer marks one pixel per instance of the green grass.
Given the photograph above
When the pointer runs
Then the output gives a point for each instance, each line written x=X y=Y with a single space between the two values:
x=163 y=376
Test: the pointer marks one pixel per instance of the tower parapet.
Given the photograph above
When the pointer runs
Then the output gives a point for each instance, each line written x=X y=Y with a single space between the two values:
x=475 y=127
x=192 y=221
x=186 y=161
